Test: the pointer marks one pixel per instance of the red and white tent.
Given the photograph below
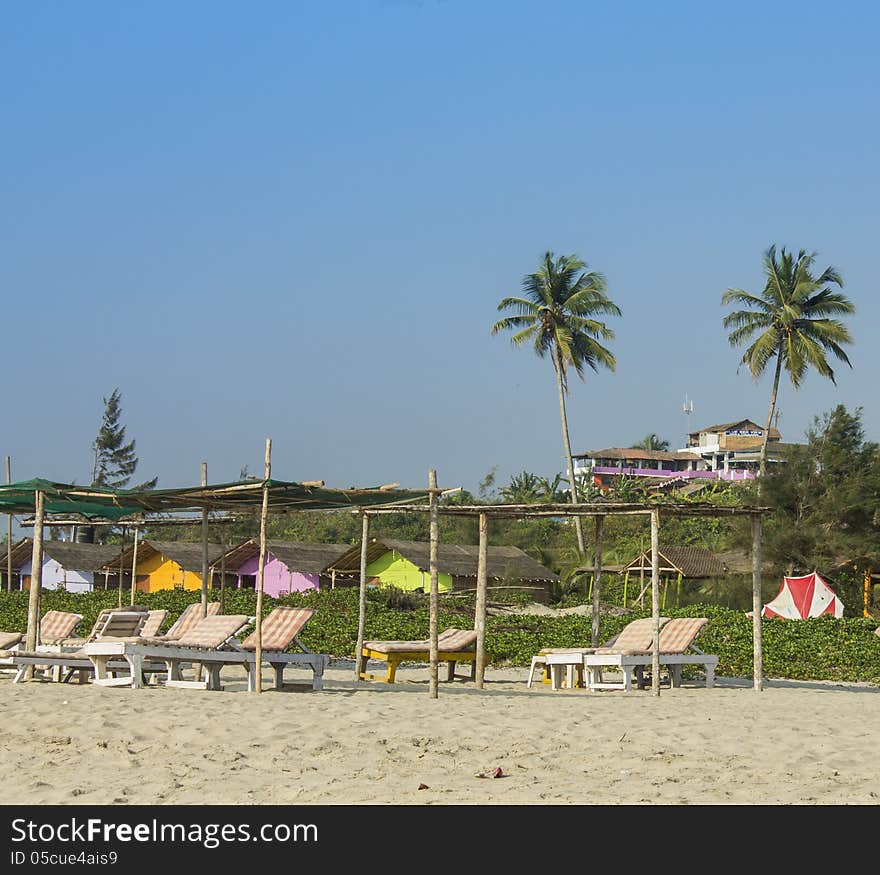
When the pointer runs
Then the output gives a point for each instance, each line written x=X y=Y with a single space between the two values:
x=802 y=597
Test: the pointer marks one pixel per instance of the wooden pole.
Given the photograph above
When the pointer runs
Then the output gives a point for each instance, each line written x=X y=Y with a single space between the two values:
x=480 y=607
x=625 y=584
x=134 y=562
x=678 y=590
x=264 y=512
x=433 y=600
x=362 y=598
x=655 y=600
x=757 y=605
x=204 y=587
x=8 y=532
x=223 y=575
x=121 y=570
x=866 y=595
x=32 y=638
x=597 y=581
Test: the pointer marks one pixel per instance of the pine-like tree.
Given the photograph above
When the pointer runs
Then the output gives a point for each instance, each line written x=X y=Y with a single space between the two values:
x=115 y=460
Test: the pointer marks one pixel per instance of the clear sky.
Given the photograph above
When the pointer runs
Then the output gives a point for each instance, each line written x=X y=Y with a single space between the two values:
x=296 y=220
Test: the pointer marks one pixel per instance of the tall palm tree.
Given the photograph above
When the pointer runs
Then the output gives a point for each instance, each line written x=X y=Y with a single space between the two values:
x=791 y=319
x=651 y=442
x=556 y=314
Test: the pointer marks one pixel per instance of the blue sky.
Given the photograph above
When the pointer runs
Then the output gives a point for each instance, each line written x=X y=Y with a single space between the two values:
x=296 y=220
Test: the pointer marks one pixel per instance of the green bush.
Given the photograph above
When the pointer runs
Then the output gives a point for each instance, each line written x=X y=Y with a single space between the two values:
x=819 y=649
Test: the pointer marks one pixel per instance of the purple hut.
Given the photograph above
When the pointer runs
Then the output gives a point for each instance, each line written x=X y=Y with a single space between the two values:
x=291 y=566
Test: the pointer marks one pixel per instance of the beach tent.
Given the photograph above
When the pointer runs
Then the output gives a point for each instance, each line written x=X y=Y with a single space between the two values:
x=802 y=597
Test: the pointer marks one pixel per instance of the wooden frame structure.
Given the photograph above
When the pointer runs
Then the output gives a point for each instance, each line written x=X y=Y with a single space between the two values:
x=124 y=507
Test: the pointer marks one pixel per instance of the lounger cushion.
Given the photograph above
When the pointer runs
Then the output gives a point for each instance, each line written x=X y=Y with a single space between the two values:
x=57 y=625
x=189 y=617
x=52 y=656
x=450 y=641
x=678 y=635
x=7 y=639
x=154 y=622
x=210 y=632
x=279 y=628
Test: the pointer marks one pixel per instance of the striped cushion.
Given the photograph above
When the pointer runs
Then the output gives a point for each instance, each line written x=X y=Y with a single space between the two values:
x=636 y=637
x=449 y=640
x=54 y=656
x=7 y=639
x=678 y=634
x=188 y=618
x=57 y=625
x=155 y=619
x=279 y=628
x=210 y=633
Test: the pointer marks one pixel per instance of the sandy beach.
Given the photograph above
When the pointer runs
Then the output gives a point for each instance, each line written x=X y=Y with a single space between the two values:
x=375 y=744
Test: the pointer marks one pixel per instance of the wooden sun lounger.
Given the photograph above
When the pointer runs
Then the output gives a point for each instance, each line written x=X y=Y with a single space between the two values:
x=453 y=646
x=676 y=649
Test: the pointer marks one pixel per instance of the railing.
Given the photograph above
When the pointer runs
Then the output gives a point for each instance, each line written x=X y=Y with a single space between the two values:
x=667 y=473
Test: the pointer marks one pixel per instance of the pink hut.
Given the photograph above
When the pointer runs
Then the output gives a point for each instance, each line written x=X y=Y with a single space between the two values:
x=291 y=566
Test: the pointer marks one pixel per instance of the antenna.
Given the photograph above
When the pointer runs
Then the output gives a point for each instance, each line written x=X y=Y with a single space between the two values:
x=688 y=408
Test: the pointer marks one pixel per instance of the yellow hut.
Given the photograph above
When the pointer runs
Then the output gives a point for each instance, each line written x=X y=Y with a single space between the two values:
x=167 y=564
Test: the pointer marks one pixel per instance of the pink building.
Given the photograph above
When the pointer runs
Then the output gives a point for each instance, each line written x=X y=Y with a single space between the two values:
x=291 y=566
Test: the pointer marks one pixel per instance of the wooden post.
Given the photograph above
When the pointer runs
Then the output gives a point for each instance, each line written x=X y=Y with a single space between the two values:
x=655 y=600
x=678 y=590
x=641 y=580
x=223 y=574
x=264 y=512
x=866 y=606
x=665 y=591
x=134 y=562
x=8 y=532
x=32 y=638
x=433 y=600
x=597 y=578
x=121 y=570
x=204 y=587
x=333 y=579
x=480 y=607
x=590 y=588
x=757 y=599
x=362 y=597
x=625 y=584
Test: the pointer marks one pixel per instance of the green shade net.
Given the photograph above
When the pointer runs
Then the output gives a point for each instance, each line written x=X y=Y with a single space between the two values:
x=98 y=502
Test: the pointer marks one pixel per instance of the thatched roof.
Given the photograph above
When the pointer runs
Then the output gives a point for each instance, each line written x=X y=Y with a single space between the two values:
x=687 y=561
x=307 y=558
x=457 y=560
x=72 y=555
x=187 y=554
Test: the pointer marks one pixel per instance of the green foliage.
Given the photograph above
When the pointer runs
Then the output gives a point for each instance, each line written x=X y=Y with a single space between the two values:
x=114 y=460
x=819 y=649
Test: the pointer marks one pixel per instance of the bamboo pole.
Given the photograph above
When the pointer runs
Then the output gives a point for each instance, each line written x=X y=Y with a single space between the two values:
x=655 y=600
x=134 y=562
x=223 y=575
x=678 y=590
x=597 y=581
x=758 y=655
x=8 y=532
x=480 y=607
x=866 y=595
x=362 y=598
x=121 y=570
x=32 y=637
x=433 y=600
x=204 y=587
x=264 y=511
x=625 y=584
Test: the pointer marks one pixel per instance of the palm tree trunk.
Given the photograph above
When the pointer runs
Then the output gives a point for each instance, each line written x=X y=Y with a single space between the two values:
x=567 y=444
x=762 y=458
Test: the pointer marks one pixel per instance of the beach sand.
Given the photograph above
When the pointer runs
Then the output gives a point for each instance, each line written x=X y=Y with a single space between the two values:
x=375 y=744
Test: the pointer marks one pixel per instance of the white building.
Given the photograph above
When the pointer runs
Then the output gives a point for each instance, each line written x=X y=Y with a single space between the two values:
x=68 y=565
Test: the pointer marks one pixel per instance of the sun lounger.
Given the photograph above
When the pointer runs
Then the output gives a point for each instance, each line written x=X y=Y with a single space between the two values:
x=636 y=635
x=210 y=643
x=279 y=629
x=676 y=649
x=453 y=645
x=115 y=625
x=55 y=627
x=188 y=618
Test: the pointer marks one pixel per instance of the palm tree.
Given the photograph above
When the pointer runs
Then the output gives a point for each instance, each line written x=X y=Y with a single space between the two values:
x=557 y=315
x=793 y=320
x=651 y=442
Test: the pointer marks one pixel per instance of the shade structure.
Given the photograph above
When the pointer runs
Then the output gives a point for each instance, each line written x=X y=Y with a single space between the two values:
x=802 y=597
